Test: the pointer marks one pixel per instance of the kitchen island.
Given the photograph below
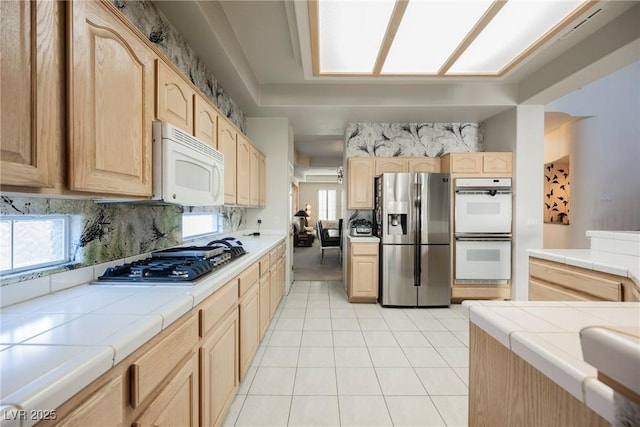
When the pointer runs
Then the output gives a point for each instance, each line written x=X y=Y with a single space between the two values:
x=527 y=367
x=55 y=345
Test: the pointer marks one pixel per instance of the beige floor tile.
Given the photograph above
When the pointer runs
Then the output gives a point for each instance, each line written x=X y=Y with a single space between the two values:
x=411 y=339
x=273 y=381
x=264 y=411
x=357 y=382
x=348 y=339
x=288 y=324
x=285 y=339
x=414 y=411
x=343 y=313
x=317 y=339
x=318 y=313
x=339 y=324
x=321 y=324
x=399 y=382
x=247 y=380
x=293 y=313
x=234 y=411
x=316 y=357
x=379 y=339
x=388 y=357
x=424 y=357
x=314 y=411
x=456 y=357
x=364 y=411
x=463 y=373
x=367 y=324
x=400 y=324
x=352 y=357
x=315 y=382
x=453 y=409
x=282 y=357
x=443 y=339
x=442 y=381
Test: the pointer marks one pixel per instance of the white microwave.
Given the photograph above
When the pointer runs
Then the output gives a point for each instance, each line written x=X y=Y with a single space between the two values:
x=186 y=171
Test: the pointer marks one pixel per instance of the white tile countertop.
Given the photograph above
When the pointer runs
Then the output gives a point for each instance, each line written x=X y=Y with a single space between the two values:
x=52 y=346
x=361 y=239
x=546 y=335
x=613 y=252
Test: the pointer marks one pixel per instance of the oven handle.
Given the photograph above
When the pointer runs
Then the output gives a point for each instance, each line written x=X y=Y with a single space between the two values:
x=483 y=191
x=485 y=238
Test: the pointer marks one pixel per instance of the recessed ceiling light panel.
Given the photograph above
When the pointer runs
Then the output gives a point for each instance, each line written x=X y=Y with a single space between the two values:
x=429 y=32
x=517 y=27
x=350 y=34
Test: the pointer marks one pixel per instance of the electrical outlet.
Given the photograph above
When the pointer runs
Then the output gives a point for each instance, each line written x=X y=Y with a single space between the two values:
x=275 y=219
x=259 y=220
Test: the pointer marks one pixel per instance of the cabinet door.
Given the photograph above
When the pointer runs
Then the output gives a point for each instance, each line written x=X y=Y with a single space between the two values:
x=391 y=164
x=364 y=276
x=175 y=98
x=219 y=370
x=243 y=174
x=254 y=174
x=262 y=176
x=496 y=163
x=205 y=122
x=177 y=403
x=360 y=173
x=274 y=286
x=265 y=311
x=426 y=164
x=227 y=146
x=31 y=93
x=102 y=408
x=111 y=103
x=249 y=327
x=466 y=163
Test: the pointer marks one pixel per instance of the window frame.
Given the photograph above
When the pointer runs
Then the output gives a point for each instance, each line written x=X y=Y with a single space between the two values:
x=25 y=218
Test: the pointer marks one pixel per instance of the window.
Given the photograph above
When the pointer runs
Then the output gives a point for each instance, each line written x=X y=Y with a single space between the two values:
x=327 y=205
x=199 y=224
x=28 y=242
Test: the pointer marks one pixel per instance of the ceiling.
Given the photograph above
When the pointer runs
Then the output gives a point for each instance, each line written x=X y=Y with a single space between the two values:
x=260 y=53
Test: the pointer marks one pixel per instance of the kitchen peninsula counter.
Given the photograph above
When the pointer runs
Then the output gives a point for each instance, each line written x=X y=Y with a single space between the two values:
x=526 y=362
x=53 y=346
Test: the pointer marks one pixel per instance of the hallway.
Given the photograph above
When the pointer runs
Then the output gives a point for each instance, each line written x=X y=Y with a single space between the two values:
x=326 y=362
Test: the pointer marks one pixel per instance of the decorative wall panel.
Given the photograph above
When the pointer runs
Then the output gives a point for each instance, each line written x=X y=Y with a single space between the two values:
x=556 y=192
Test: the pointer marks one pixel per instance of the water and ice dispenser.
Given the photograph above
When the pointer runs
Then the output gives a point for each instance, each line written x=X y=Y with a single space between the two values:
x=396 y=220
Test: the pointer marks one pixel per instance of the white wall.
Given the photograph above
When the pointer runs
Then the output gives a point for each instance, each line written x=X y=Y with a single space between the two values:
x=274 y=137
x=605 y=154
x=309 y=194
x=521 y=131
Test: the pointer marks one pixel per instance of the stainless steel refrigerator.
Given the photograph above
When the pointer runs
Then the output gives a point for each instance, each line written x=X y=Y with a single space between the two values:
x=412 y=221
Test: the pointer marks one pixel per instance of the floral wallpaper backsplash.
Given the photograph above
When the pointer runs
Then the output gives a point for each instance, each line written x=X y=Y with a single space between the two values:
x=556 y=192
x=153 y=24
x=102 y=232
x=409 y=140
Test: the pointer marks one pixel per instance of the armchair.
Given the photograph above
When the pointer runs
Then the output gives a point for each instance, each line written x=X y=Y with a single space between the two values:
x=330 y=238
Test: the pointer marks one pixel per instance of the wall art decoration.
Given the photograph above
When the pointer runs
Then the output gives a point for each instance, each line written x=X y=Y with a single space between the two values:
x=556 y=192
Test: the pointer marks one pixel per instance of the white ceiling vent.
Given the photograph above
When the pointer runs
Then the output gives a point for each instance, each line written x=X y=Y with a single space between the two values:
x=581 y=23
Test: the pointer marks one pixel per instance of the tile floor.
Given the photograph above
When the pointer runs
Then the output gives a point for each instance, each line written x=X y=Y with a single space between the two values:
x=326 y=362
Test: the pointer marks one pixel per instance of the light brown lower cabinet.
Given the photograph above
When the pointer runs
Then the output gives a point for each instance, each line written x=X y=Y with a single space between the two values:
x=249 y=327
x=554 y=281
x=177 y=404
x=505 y=390
x=219 y=356
x=187 y=375
x=362 y=272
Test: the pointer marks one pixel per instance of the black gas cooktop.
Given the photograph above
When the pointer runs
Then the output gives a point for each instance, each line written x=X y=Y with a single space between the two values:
x=181 y=265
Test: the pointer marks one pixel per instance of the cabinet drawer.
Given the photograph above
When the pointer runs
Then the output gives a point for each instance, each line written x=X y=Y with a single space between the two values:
x=264 y=265
x=273 y=257
x=248 y=278
x=149 y=370
x=364 y=249
x=539 y=291
x=217 y=305
x=281 y=250
x=576 y=279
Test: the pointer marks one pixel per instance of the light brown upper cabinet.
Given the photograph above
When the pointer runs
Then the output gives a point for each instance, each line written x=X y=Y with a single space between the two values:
x=175 y=99
x=110 y=102
x=262 y=175
x=391 y=164
x=360 y=174
x=227 y=135
x=205 y=122
x=254 y=171
x=32 y=94
x=243 y=174
x=478 y=163
x=424 y=164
